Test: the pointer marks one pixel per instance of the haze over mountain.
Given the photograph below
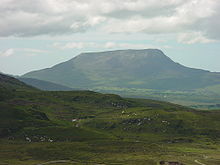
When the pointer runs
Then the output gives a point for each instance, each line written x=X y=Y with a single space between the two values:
x=147 y=68
x=44 y=85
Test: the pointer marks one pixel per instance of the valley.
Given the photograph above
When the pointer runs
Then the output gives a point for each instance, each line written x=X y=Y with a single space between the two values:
x=206 y=98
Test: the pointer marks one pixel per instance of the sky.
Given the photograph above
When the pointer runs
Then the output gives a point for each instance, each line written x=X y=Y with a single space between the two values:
x=37 y=34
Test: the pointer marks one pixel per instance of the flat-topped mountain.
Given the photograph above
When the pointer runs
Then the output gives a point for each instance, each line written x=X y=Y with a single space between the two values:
x=147 y=68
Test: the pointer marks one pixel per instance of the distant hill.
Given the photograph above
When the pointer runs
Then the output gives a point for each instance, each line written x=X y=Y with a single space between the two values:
x=148 y=68
x=44 y=85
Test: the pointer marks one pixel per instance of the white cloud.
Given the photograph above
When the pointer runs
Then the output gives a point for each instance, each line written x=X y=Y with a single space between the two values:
x=31 y=50
x=23 y=51
x=62 y=17
x=193 y=37
x=45 y=17
x=7 y=53
x=110 y=45
x=113 y=45
x=181 y=18
x=106 y=45
x=76 y=45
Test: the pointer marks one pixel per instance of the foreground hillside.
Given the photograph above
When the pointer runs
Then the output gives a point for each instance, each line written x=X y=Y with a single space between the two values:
x=84 y=127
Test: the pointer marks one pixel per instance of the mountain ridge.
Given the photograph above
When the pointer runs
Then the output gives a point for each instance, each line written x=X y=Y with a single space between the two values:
x=146 y=68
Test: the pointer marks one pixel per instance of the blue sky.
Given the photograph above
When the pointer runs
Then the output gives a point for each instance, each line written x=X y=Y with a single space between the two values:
x=38 y=36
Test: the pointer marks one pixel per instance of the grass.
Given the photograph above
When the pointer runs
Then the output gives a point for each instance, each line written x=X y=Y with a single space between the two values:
x=85 y=127
x=108 y=152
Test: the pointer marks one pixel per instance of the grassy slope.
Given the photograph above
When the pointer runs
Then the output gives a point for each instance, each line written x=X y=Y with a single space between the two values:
x=37 y=127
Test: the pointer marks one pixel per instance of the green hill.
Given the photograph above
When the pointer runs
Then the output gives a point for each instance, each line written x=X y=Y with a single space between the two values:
x=9 y=83
x=85 y=127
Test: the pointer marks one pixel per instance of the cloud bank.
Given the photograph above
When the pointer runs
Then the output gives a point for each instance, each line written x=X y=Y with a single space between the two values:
x=192 y=20
x=7 y=53
x=106 y=45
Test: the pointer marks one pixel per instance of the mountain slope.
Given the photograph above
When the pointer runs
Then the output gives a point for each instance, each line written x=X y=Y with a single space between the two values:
x=44 y=85
x=148 y=68
x=100 y=112
x=92 y=128
x=8 y=82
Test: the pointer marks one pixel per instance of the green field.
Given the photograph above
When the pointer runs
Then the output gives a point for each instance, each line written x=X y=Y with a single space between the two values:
x=204 y=98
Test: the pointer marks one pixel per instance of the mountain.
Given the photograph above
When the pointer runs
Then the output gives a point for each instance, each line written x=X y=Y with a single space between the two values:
x=44 y=85
x=148 y=68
